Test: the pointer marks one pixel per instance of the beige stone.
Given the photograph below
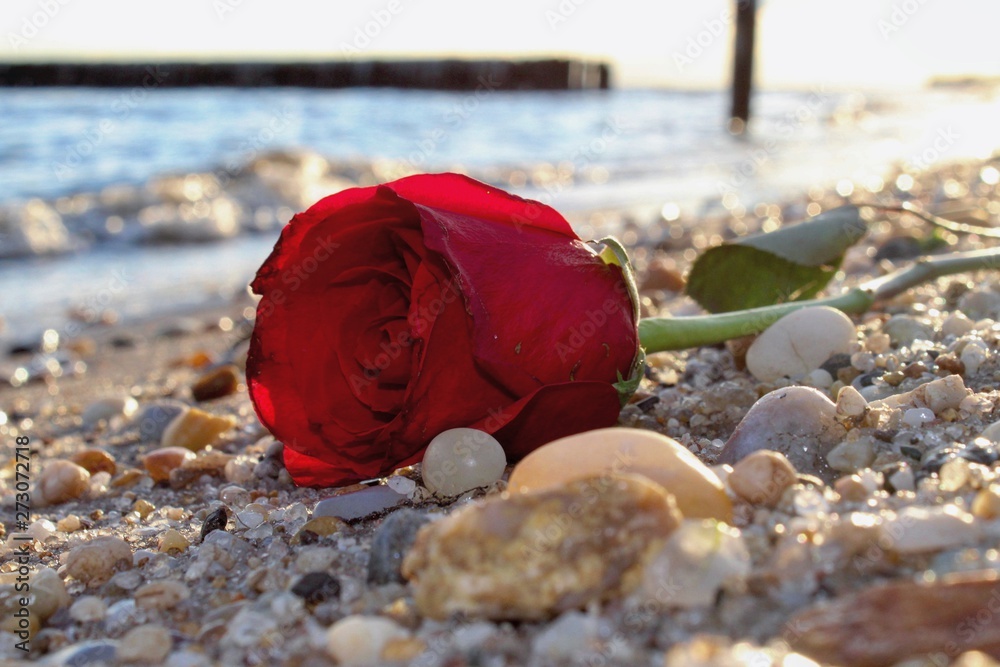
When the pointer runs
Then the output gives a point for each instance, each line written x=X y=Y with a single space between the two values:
x=938 y=395
x=533 y=555
x=762 y=477
x=96 y=561
x=61 y=481
x=165 y=594
x=195 y=429
x=147 y=644
x=696 y=489
x=160 y=462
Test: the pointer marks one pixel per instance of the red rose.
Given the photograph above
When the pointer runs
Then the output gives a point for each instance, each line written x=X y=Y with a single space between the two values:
x=392 y=313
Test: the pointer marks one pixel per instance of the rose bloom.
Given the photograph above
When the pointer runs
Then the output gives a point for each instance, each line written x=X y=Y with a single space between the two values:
x=389 y=314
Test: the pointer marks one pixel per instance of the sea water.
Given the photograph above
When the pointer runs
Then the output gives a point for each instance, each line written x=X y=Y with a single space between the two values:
x=167 y=198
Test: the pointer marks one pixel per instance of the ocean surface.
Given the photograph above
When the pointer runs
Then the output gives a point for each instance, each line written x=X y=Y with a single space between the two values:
x=136 y=202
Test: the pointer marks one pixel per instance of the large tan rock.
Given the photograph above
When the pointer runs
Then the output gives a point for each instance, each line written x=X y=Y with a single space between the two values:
x=533 y=555
x=697 y=490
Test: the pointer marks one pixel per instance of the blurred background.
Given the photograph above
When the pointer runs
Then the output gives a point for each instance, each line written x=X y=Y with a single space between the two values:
x=149 y=197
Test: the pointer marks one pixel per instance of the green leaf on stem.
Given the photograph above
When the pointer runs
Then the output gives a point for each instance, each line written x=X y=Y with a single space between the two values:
x=789 y=264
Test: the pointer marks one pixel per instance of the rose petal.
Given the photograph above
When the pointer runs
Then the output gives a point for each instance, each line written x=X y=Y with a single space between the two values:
x=565 y=315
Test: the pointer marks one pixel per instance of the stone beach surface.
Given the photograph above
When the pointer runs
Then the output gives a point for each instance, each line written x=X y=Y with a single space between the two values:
x=827 y=494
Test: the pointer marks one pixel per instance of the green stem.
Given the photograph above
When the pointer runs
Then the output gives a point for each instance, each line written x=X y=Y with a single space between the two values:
x=659 y=334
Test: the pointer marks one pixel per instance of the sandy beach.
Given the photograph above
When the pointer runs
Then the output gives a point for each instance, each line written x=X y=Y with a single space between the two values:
x=884 y=555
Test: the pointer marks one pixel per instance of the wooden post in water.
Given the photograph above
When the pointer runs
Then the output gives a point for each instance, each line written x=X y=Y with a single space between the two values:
x=746 y=14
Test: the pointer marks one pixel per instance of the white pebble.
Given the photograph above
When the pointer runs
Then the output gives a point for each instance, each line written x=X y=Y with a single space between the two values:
x=850 y=403
x=923 y=529
x=88 y=608
x=799 y=343
x=917 y=417
x=106 y=409
x=973 y=355
x=359 y=640
x=565 y=637
x=401 y=485
x=957 y=324
x=852 y=455
x=461 y=459
x=818 y=378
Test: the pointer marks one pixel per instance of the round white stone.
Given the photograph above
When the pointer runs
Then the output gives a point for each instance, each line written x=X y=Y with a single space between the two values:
x=799 y=342
x=461 y=459
x=359 y=640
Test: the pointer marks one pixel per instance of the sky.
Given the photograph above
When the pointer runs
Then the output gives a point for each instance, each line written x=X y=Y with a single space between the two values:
x=677 y=43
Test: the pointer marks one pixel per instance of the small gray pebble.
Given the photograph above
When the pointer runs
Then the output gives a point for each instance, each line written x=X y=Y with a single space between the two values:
x=153 y=418
x=359 y=503
x=391 y=542
x=85 y=654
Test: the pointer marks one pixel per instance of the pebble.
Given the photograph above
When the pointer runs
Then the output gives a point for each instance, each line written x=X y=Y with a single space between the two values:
x=159 y=463
x=106 y=409
x=957 y=325
x=96 y=561
x=762 y=477
x=161 y=595
x=316 y=587
x=93 y=653
x=986 y=503
x=699 y=559
x=172 y=541
x=884 y=624
x=852 y=454
x=216 y=520
x=917 y=529
x=223 y=381
x=567 y=637
x=147 y=644
x=321 y=526
x=153 y=418
x=917 y=417
x=402 y=485
x=195 y=429
x=462 y=459
x=88 y=609
x=315 y=558
x=95 y=460
x=696 y=489
x=49 y=593
x=974 y=354
x=904 y=329
x=799 y=422
x=390 y=544
x=359 y=640
x=358 y=504
x=938 y=395
x=799 y=343
x=208 y=464
x=980 y=304
x=851 y=405
x=533 y=555
x=61 y=481
x=69 y=523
